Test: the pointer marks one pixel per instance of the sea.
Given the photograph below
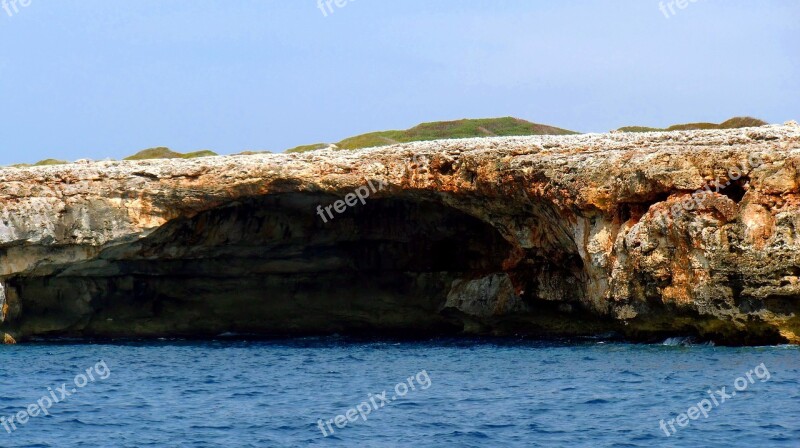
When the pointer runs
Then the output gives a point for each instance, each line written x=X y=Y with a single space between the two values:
x=341 y=392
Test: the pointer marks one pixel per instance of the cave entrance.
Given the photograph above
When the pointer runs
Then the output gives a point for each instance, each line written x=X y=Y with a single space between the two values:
x=270 y=265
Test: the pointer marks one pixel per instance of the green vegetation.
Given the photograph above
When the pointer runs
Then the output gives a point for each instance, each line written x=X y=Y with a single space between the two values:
x=196 y=154
x=693 y=127
x=742 y=122
x=639 y=129
x=305 y=148
x=48 y=162
x=733 y=123
x=251 y=153
x=45 y=162
x=506 y=126
x=155 y=153
x=166 y=153
x=152 y=153
x=466 y=128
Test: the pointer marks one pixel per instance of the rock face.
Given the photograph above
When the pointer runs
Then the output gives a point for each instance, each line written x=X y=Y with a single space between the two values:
x=642 y=235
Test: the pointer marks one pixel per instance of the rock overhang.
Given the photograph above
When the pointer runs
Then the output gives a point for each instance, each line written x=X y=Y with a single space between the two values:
x=581 y=250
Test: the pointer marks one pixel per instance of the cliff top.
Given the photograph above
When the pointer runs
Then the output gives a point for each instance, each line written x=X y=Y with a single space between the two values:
x=543 y=145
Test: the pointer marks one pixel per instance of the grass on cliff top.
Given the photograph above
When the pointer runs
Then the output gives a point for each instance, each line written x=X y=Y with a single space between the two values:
x=166 y=153
x=733 y=123
x=305 y=148
x=152 y=153
x=50 y=162
x=45 y=162
x=639 y=129
x=251 y=153
x=485 y=127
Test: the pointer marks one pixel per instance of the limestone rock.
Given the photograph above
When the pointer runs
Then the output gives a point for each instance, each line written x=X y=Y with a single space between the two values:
x=644 y=235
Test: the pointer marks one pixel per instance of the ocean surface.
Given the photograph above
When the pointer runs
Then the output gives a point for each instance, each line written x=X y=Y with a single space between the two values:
x=466 y=393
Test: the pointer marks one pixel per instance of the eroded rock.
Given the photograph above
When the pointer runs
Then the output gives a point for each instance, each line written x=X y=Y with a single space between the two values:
x=543 y=236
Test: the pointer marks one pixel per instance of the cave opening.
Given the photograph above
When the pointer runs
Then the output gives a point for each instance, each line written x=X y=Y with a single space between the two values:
x=270 y=265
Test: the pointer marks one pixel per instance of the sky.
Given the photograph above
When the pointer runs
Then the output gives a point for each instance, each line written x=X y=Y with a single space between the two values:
x=106 y=78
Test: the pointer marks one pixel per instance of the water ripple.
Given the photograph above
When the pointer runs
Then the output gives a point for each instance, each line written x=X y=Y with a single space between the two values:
x=235 y=393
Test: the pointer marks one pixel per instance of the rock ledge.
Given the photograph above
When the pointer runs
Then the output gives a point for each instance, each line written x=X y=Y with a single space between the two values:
x=643 y=235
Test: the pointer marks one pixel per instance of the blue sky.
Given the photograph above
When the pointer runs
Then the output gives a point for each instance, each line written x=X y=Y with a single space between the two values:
x=106 y=78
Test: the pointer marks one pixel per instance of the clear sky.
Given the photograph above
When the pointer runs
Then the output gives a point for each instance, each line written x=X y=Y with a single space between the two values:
x=106 y=78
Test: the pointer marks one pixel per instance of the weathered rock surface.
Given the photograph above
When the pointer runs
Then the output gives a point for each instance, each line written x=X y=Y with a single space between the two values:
x=562 y=236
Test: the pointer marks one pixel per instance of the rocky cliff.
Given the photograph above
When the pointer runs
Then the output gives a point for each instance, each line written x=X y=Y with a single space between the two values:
x=641 y=235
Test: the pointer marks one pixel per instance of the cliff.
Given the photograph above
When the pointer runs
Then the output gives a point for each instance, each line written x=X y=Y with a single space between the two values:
x=644 y=235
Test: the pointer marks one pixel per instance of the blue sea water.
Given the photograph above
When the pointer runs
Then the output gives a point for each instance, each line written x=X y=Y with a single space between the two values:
x=479 y=394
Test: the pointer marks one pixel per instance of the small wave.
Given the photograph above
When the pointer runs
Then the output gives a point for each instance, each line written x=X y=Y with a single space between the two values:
x=75 y=421
x=399 y=401
x=478 y=434
x=686 y=341
x=230 y=334
x=678 y=341
x=498 y=425
x=221 y=427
